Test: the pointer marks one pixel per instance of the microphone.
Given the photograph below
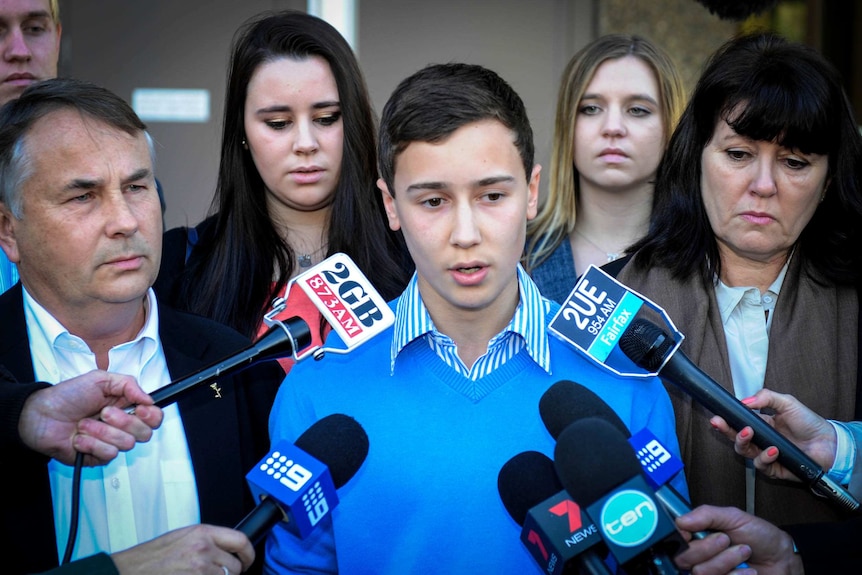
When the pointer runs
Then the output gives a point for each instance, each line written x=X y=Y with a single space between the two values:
x=345 y=299
x=279 y=340
x=635 y=527
x=566 y=402
x=558 y=535
x=650 y=347
x=296 y=483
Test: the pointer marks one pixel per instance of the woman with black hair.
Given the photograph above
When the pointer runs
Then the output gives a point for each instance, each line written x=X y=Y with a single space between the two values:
x=296 y=181
x=753 y=252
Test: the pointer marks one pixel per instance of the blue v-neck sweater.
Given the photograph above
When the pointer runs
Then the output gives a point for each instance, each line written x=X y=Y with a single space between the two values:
x=426 y=498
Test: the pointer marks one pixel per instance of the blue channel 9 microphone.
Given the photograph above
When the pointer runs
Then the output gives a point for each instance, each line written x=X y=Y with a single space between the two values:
x=296 y=482
x=555 y=531
x=632 y=521
x=653 y=349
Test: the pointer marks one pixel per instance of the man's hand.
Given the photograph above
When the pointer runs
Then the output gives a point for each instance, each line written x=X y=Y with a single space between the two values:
x=741 y=537
x=85 y=414
x=807 y=430
x=194 y=550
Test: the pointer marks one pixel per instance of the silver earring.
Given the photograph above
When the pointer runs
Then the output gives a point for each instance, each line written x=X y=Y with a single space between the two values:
x=244 y=144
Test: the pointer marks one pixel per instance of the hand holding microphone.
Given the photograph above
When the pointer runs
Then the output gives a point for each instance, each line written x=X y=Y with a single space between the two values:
x=648 y=346
x=84 y=415
x=767 y=549
x=807 y=430
x=566 y=402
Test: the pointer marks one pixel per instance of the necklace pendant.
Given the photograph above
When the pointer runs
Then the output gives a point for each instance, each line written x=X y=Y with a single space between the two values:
x=305 y=260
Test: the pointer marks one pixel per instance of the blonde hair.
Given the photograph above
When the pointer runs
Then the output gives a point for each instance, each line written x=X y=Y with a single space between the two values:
x=556 y=217
x=55 y=10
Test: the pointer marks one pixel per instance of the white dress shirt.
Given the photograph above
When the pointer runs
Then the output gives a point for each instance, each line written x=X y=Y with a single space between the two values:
x=142 y=493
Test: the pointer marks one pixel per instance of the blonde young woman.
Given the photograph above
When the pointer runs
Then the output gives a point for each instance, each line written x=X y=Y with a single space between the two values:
x=619 y=101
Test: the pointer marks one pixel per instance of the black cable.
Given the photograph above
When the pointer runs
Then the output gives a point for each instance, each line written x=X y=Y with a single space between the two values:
x=76 y=498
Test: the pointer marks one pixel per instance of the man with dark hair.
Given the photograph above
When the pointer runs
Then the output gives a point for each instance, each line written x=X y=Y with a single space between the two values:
x=451 y=391
x=80 y=216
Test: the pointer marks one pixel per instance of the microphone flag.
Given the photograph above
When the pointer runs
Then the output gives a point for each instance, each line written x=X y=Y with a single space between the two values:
x=345 y=298
x=556 y=530
x=302 y=486
x=632 y=520
x=596 y=314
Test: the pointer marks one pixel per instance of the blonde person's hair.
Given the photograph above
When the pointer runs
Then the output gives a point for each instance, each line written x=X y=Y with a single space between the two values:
x=55 y=10
x=556 y=217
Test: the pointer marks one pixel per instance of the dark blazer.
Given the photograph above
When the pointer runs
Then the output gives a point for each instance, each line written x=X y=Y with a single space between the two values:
x=12 y=398
x=226 y=436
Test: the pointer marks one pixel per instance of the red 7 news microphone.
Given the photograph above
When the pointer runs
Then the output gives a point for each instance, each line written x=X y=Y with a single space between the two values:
x=296 y=482
x=559 y=536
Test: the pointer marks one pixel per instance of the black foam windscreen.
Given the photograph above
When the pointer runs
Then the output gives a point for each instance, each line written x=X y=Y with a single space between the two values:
x=646 y=344
x=592 y=457
x=566 y=402
x=339 y=442
x=526 y=480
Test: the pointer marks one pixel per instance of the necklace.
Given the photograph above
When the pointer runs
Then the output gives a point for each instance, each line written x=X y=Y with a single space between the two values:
x=305 y=260
x=610 y=255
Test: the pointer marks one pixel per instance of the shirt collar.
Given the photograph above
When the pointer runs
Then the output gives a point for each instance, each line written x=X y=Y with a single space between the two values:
x=728 y=298
x=412 y=320
x=44 y=327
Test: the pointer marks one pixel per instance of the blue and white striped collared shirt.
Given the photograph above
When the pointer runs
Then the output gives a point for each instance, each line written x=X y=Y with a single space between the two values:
x=527 y=328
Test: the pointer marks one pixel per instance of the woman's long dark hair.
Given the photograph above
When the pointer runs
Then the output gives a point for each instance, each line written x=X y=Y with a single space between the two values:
x=767 y=89
x=230 y=278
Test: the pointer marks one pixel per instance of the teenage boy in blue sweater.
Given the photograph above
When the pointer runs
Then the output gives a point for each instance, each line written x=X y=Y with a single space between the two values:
x=451 y=391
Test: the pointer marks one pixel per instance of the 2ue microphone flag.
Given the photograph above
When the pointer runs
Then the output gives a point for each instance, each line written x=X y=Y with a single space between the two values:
x=595 y=315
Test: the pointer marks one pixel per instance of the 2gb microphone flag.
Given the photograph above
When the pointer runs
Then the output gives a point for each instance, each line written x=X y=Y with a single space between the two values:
x=595 y=315
x=347 y=300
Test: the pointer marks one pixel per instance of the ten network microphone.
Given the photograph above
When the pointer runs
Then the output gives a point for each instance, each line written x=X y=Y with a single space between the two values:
x=559 y=536
x=651 y=348
x=566 y=402
x=296 y=482
x=611 y=487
